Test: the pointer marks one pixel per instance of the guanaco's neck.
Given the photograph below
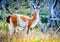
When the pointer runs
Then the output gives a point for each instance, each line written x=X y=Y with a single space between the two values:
x=35 y=19
x=36 y=15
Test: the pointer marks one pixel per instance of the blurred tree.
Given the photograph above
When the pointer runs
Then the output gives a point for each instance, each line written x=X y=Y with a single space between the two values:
x=52 y=5
x=0 y=0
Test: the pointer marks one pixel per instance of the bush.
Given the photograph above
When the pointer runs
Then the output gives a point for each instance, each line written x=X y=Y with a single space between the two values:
x=0 y=24
x=6 y=27
x=44 y=20
x=0 y=16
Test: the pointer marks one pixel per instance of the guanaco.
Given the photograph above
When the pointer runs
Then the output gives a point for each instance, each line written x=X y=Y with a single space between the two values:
x=23 y=21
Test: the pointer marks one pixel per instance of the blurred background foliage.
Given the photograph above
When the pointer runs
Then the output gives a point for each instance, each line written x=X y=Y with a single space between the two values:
x=23 y=7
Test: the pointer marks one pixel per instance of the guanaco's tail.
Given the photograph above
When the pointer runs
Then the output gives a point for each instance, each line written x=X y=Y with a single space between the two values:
x=8 y=19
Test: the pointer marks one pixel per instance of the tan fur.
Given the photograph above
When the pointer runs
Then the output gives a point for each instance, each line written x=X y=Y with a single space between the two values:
x=14 y=20
x=24 y=18
x=31 y=20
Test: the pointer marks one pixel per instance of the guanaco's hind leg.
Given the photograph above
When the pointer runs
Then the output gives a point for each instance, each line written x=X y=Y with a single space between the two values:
x=28 y=30
x=11 y=28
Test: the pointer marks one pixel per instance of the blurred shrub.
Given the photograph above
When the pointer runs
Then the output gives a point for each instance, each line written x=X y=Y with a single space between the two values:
x=44 y=13
x=21 y=12
x=0 y=24
x=37 y=26
x=44 y=20
x=29 y=14
x=6 y=27
x=26 y=4
x=0 y=16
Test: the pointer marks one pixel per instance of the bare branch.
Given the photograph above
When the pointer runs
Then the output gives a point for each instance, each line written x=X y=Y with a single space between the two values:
x=55 y=3
x=8 y=10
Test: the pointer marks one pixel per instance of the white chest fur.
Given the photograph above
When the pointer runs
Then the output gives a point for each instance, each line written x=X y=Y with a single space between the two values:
x=35 y=21
x=21 y=22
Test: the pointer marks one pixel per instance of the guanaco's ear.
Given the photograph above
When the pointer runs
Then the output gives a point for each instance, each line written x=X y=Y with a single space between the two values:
x=33 y=5
x=38 y=7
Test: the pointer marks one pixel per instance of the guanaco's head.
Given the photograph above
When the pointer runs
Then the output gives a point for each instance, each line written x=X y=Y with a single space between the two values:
x=36 y=8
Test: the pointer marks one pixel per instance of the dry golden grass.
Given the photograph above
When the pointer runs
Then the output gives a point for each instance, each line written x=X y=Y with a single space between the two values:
x=34 y=36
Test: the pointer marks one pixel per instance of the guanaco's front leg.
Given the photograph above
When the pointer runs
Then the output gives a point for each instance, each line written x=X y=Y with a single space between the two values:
x=28 y=29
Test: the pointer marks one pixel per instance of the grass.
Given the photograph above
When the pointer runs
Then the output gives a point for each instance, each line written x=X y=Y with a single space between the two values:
x=34 y=36
x=0 y=24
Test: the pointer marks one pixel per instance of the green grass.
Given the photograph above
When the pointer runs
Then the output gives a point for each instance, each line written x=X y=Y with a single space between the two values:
x=0 y=24
x=36 y=36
